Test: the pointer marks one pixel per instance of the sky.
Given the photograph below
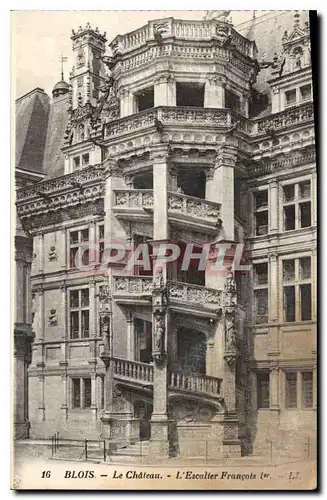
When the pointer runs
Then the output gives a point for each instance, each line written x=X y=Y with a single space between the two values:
x=39 y=38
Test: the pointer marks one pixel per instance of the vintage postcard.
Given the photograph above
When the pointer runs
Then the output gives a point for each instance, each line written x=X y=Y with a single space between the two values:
x=164 y=329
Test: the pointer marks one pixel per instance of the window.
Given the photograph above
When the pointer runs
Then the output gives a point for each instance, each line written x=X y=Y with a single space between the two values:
x=297 y=205
x=260 y=298
x=76 y=162
x=305 y=92
x=307 y=389
x=79 y=248
x=299 y=389
x=291 y=390
x=290 y=97
x=190 y=94
x=263 y=390
x=261 y=212
x=144 y=99
x=81 y=392
x=85 y=159
x=79 y=313
x=297 y=289
x=101 y=242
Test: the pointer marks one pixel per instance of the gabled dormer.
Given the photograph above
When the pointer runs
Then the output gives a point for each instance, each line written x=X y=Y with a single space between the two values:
x=291 y=84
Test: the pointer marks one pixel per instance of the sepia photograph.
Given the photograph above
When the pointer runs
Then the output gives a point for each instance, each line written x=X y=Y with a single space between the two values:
x=164 y=241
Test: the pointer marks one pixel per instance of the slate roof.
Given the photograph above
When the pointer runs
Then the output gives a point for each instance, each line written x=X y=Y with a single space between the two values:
x=32 y=113
x=53 y=164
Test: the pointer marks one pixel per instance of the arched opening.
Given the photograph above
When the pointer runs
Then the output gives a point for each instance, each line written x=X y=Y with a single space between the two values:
x=192 y=350
x=143 y=411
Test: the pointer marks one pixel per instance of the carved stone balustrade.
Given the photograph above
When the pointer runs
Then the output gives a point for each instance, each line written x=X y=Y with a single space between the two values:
x=287 y=118
x=282 y=164
x=189 y=206
x=89 y=175
x=194 y=296
x=133 y=370
x=168 y=116
x=181 y=295
x=185 y=30
x=132 y=286
x=132 y=201
x=195 y=383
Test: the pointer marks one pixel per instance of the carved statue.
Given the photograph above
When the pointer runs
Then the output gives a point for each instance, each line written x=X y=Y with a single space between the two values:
x=158 y=281
x=105 y=332
x=159 y=332
x=230 y=325
x=230 y=285
x=53 y=318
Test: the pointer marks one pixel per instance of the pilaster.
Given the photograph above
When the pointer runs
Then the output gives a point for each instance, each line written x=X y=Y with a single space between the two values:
x=63 y=248
x=220 y=188
x=161 y=181
x=274 y=387
x=214 y=93
x=165 y=91
x=273 y=206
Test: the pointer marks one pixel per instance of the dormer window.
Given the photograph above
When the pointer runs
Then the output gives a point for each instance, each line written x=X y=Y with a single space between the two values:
x=290 y=97
x=85 y=159
x=76 y=162
x=305 y=92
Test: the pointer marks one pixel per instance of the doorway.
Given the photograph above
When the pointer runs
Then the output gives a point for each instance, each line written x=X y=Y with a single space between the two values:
x=143 y=340
x=192 y=349
x=143 y=411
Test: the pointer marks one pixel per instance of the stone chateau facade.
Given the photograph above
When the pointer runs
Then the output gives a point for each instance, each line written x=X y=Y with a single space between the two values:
x=187 y=132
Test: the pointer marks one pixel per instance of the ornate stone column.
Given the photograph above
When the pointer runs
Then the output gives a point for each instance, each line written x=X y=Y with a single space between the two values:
x=214 y=92
x=106 y=354
x=159 y=445
x=220 y=188
x=231 y=442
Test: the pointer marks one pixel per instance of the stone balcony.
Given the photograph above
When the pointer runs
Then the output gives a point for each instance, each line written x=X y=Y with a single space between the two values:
x=170 y=116
x=183 y=297
x=193 y=211
x=133 y=204
x=202 y=126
